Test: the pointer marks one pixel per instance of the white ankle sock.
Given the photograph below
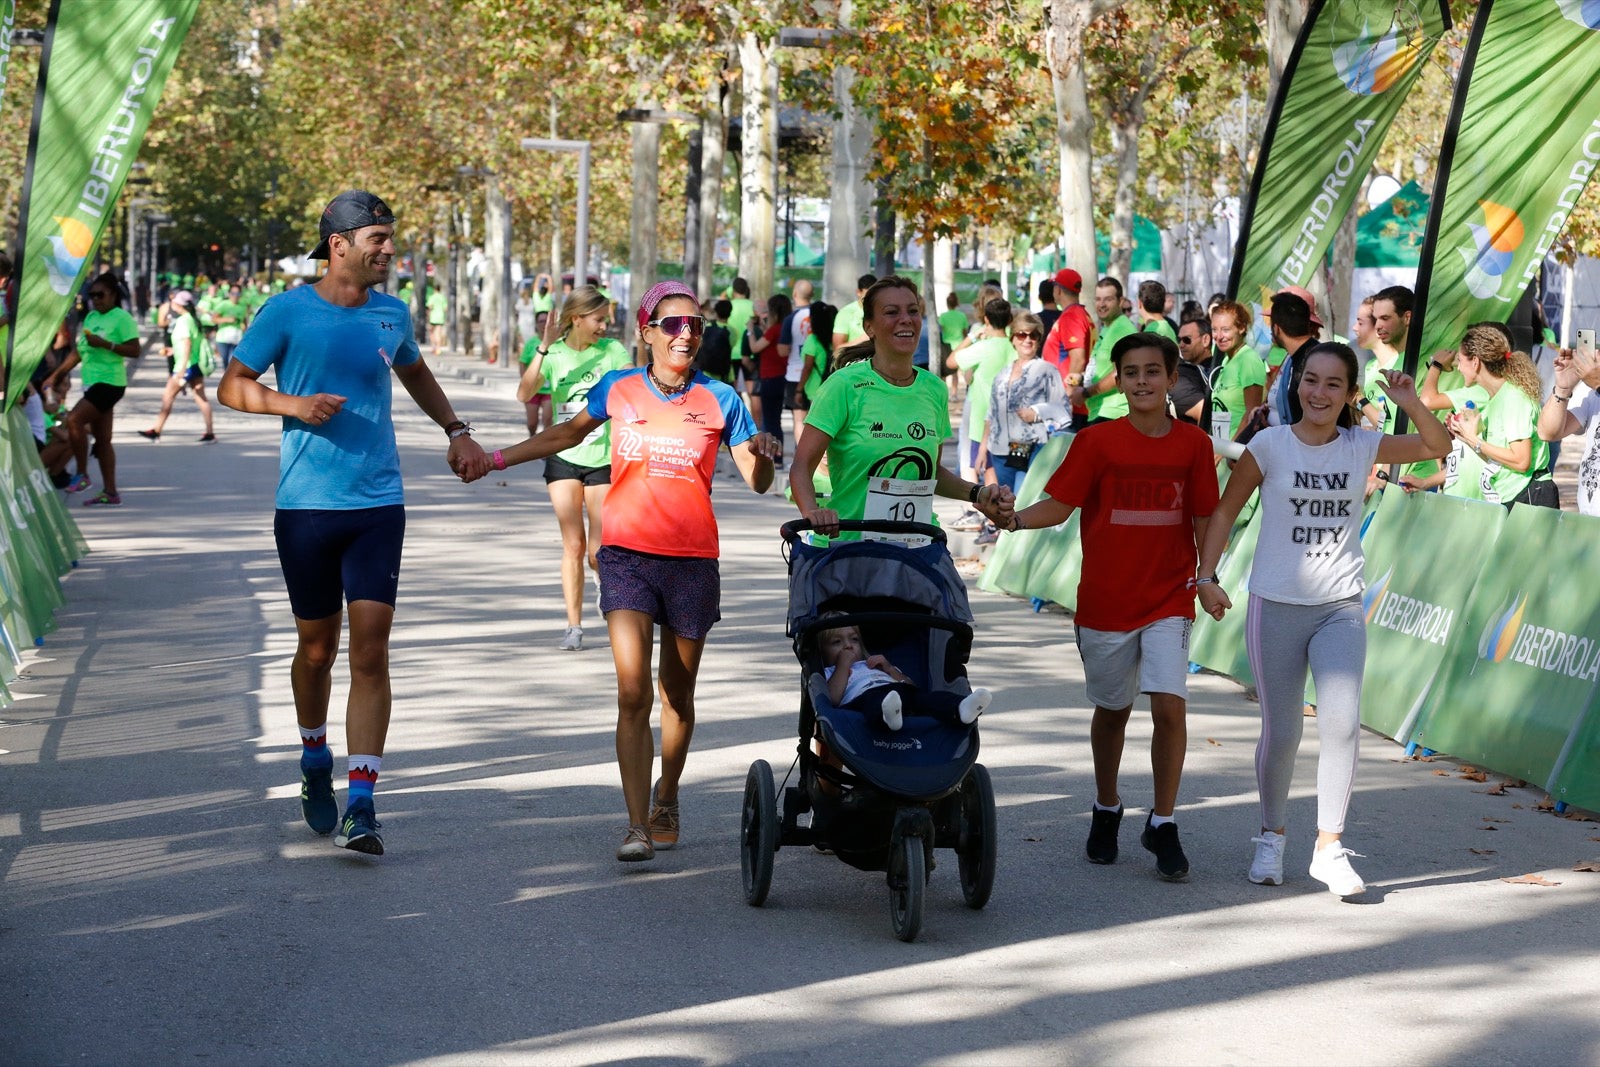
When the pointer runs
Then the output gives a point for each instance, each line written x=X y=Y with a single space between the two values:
x=1161 y=820
x=975 y=704
x=891 y=710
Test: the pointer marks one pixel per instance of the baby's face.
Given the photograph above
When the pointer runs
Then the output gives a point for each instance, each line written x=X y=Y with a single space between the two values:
x=836 y=642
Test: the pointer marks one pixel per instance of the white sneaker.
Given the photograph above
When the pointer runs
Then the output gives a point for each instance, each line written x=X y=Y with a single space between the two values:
x=892 y=716
x=970 y=519
x=572 y=640
x=974 y=704
x=1267 y=867
x=1330 y=865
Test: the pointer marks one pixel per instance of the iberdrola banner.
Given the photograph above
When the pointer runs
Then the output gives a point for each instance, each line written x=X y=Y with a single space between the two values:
x=1522 y=142
x=1350 y=71
x=100 y=77
x=8 y=22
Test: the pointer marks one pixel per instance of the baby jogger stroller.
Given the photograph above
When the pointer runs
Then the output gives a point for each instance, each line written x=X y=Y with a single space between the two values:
x=886 y=799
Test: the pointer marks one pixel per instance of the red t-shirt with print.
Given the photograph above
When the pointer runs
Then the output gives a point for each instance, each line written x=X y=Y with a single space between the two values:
x=1139 y=497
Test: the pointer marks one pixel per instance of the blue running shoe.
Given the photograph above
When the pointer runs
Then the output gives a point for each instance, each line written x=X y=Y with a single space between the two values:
x=359 y=830
x=316 y=797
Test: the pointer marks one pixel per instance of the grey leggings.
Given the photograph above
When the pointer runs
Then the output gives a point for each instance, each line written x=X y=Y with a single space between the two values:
x=1283 y=640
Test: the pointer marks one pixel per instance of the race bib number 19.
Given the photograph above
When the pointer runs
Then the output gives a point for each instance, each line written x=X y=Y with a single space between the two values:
x=899 y=500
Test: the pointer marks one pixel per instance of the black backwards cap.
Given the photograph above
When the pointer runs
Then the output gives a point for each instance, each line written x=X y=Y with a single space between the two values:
x=350 y=210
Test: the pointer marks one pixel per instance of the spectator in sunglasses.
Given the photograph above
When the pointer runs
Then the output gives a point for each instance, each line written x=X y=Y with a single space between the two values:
x=1024 y=402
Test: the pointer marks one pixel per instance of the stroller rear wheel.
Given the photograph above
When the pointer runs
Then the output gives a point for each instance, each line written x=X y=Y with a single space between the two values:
x=975 y=850
x=908 y=882
x=758 y=833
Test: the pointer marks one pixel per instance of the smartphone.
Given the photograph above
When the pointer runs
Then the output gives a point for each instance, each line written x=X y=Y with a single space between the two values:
x=1586 y=339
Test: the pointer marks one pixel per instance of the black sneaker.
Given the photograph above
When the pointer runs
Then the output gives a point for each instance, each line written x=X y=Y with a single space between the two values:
x=359 y=830
x=1103 y=825
x=1171 y=864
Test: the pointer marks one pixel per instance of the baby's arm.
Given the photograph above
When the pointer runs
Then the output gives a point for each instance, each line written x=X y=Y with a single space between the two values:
x=840 y=680
x=881 y=663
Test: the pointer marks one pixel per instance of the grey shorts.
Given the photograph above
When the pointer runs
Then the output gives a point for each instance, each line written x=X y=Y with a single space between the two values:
x=1119 y=665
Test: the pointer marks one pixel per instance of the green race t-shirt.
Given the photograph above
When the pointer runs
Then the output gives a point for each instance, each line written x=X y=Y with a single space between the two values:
x=1371 y=377
x=543 y=302
x=530 y=348
x=571 y=375
x=986 y=359
x=738 y=321
x=848 y=322
x=185 y=326
x=1275 y=356
x=230 y=332
x=1160 y=327
x=1112 y=405
x=1510 y=415
x=101 y=366
x=438 y=304
x=1238 y=372
x=952 y=326
x=884 y=457
x=1463 y=470
x=819 y=359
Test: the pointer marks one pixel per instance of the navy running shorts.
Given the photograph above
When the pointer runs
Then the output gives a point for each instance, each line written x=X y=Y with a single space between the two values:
x=682 y=593
x=331 y=556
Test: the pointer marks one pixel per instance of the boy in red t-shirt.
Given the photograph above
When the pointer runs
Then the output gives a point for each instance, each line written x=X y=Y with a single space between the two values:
x=1147 y=484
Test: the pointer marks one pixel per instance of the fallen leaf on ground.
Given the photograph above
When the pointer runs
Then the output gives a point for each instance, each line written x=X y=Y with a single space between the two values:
x=1588 y=865
x=1578 y=816
x=1033 y=839
x=1442 y=773
x=1491 y=818
x=1310 y=711
x=1516 y=783
x=1469 y=774
x=1488 y=827
x=1467 y=768
x=1209 y=740
x=1496 y=790
x=1519 y=807
x=1530 y=879
x=1545 y=805
x=1594 y=839
x=1423 y=759
x=1481 y=851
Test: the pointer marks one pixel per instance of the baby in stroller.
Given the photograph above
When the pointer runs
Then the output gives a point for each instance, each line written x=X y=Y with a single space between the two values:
x=870 y=684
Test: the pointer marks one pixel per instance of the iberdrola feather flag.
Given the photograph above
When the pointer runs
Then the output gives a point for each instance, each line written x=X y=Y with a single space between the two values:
x=1521 y=145
x=1351 y=69
x=100 y=76
x=8 y=22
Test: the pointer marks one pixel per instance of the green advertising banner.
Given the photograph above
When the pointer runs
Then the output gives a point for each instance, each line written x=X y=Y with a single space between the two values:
x=1523 y=666
x=100 y=76
x=1522 y=142
x=1038 y=563
x=1351 y=69
x=1417 y=592
x=8 y=22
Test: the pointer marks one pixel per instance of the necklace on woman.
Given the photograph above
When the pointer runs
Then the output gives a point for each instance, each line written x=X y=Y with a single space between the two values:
x=668 y=391
x=891 y=379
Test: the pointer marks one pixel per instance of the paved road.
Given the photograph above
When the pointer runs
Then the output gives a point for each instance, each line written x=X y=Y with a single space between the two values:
x=161 y=901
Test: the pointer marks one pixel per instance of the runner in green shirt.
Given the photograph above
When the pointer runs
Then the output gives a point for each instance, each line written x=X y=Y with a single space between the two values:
x=979 y=363
x=847 y=326
x=1104 y=399
x=578 y=477
x=108 y=338
x=953 y=323
x=438 y=306
x=192 y=363
x=881 y=422
x=1152 y=309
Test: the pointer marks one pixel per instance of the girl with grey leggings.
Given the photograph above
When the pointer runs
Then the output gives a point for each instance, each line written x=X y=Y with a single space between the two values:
x=1305 y=591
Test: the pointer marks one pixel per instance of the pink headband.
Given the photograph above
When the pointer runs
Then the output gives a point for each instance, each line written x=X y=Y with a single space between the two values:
x=659 y=292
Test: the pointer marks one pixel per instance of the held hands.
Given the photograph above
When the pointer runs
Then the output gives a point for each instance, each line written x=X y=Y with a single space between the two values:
x=996 y=503
x=468 y=459
x=317 y=409
x=1213 y=601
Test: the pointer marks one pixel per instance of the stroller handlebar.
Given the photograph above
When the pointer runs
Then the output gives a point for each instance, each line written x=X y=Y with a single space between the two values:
x=792 y=529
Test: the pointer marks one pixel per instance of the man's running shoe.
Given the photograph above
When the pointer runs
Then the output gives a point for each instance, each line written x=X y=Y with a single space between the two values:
x=1171 y=864
x=359 y=830
x=1103 y=826
x=78 y=484
x=664 y=821
x=104 y=500
x=317 y=803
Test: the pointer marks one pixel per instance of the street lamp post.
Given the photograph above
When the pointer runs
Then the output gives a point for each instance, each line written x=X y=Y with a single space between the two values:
x=580 y=240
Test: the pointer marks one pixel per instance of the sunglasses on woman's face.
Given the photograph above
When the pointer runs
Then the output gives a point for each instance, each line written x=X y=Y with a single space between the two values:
x=1028 y=335
x=673 y=325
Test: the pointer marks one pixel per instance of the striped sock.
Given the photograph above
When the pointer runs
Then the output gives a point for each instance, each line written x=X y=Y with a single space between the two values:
x=314 y=746
x=363 y=776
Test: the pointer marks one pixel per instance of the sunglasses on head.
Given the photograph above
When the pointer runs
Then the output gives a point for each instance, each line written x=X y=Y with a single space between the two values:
x=673 y=325
x=1027 y=335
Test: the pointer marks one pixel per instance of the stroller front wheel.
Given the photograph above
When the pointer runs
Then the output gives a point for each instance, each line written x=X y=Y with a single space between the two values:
x=908 y=883
x=758 y=833
x=975 y=849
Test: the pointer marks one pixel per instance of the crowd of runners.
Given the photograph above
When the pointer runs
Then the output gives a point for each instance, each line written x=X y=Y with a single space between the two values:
x=1160 y=399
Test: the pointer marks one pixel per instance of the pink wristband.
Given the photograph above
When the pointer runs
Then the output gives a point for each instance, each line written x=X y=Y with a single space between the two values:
x=499 y=460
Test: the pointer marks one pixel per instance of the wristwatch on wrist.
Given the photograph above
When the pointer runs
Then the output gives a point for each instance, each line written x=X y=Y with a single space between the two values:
x=1436 y=363
x=972 y=497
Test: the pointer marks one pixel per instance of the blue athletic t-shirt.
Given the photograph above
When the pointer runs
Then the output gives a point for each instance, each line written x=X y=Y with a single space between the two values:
x=351 y=461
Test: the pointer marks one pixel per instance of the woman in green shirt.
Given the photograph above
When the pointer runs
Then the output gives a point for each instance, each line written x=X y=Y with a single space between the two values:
x=579 y=477
x=108 y=339
x=1239 y=382
x=881 y=421
x=1504 y=433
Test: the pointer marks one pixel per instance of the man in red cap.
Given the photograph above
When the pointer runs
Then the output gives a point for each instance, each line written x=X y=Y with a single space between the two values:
x=1071 y=338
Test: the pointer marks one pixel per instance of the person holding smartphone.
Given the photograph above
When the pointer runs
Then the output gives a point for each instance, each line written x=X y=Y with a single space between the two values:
x=1562 y=417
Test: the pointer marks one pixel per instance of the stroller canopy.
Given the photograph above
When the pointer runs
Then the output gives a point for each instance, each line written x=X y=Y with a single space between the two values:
x=921 y=577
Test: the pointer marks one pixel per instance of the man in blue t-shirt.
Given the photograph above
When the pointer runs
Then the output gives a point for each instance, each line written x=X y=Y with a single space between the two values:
x=340 y=507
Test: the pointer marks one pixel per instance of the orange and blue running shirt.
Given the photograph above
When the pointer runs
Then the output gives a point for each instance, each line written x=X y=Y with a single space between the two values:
x=663 y=455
